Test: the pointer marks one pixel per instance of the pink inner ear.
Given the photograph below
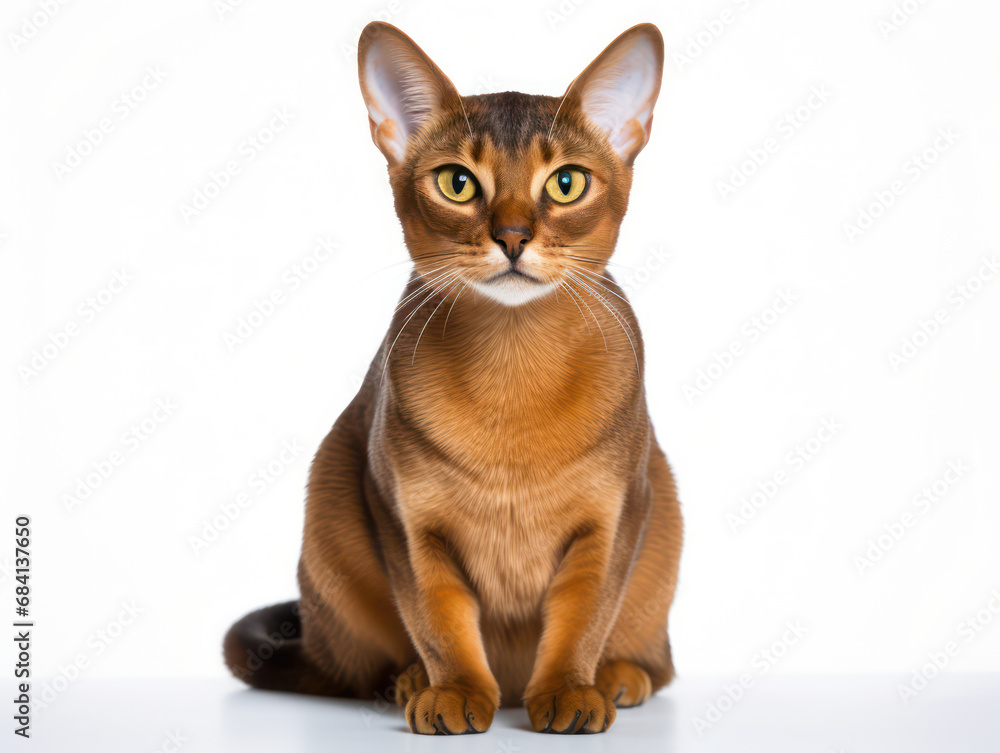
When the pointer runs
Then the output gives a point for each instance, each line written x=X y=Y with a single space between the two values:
x=385 y=94
x=630 y=139
x=621 y=90
x=401 y=87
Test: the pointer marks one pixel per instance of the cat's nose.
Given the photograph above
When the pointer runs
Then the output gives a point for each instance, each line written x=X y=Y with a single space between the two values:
x=512 y=239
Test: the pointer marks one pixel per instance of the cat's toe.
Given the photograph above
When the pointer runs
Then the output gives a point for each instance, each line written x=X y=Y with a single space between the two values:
x=449 y=710
x=625 y=683
x=414 y=678
x=572 y=710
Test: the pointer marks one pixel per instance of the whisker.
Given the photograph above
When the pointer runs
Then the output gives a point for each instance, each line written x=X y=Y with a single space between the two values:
x=417 y=343
x=596 y=321
x=425 y=286
x=595 y=274
x=410 y=260
x=403 y=327
x=467 y=123
x=445 y=327
x=435 y=254
x=383 y=269
x=596 y=282
x=597 y=262
x=548 y=136
x=614 y=313
x=564 y=284
x=613 y=308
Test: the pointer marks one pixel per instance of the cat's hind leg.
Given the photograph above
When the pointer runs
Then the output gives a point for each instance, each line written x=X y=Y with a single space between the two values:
x=347 y=637
x=637 y=660
x=351 y=627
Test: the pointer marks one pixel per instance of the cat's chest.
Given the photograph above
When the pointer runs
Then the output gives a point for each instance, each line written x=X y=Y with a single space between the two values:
x=509 y=561
x=510 y=423
x=509 y=531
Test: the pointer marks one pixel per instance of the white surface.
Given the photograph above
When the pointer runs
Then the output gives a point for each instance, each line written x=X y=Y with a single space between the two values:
x=164 y=336
x=835 y=714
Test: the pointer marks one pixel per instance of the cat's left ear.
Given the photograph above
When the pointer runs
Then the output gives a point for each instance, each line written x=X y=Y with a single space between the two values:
x=617 y=91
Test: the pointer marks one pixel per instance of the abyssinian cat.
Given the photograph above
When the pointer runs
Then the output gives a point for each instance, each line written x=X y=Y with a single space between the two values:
x=491 y=518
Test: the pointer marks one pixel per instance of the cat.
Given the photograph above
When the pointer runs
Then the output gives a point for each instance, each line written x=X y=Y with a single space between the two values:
x=491 y=517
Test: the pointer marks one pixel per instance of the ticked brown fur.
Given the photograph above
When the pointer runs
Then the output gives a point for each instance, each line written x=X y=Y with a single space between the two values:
x=491 y=518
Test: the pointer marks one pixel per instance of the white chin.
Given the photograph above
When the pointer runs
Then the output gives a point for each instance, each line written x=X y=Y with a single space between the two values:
x=514 y=291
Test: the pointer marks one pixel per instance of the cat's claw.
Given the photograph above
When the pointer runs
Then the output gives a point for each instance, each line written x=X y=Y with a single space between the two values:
x=572 y=710
x=449 y=710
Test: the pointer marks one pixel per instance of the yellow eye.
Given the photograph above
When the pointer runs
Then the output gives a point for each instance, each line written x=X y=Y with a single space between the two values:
x=566 y=185
x=457 y=183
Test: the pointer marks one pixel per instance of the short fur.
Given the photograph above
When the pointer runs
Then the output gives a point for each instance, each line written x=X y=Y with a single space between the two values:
x=491 y=517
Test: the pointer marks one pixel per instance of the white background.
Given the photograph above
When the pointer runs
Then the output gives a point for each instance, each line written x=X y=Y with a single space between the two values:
x=163 y=336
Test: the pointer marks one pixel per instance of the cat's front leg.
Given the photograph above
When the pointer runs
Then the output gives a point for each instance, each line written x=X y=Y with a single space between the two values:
x=579 y=608
x=442 y=615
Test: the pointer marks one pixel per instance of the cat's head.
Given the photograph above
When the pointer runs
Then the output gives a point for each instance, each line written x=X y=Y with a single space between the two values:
x=510 y=194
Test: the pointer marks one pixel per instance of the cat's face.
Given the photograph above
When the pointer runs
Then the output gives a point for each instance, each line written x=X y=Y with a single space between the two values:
x=511 y=195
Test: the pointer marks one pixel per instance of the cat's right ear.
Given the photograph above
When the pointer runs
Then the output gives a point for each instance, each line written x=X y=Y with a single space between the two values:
x=402 y=87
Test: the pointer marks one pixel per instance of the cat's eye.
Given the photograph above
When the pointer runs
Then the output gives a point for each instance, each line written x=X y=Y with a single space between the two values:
x=566 y=184
x=457 y=183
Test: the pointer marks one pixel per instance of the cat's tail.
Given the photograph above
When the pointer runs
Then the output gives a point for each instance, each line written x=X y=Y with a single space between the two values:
x=264 y=649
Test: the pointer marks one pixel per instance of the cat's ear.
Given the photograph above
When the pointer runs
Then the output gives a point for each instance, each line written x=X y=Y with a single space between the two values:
x=617 y=91
x=402 y=87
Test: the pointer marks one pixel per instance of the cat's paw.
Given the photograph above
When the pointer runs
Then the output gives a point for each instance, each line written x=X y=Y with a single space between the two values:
x=449 y=710
x=625 y=683
x=413 y=679
x=572 y=710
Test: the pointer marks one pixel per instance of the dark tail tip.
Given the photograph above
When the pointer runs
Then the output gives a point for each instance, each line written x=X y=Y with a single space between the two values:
x=264 y=650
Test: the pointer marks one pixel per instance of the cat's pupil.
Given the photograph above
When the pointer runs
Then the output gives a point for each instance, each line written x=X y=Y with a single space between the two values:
x=458 y=182
x=565 y=182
